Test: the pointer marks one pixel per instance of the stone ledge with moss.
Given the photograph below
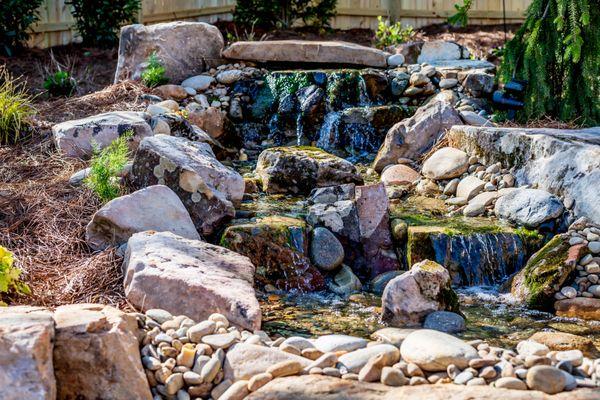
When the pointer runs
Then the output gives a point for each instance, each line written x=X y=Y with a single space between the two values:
x=300 y=169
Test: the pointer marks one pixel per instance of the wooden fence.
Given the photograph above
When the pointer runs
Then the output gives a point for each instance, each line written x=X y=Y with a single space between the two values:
x=56 y=22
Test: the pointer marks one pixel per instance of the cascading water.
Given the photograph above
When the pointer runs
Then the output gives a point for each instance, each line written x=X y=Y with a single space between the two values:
x=329 y=133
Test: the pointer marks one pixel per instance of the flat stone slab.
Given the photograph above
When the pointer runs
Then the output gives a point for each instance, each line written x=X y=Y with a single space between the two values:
x=443 y=65
x=565 y=163
x=321 y=52
x=579 y=307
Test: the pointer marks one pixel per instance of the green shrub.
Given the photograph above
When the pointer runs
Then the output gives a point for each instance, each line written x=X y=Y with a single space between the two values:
x=389 y=34
x=106 y=165
x=154 y=74
x=98 y=21
x=282 y=14
x=16 y=108
x=16 y=16
x=60 y=83
x=461 y=18
x=10 y=275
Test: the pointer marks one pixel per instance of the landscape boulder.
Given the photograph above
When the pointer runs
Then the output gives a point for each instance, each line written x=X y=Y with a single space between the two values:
x=96 y=354
x=154 y=208
x=410 y=297
x=528 y=207
x=278 y=247
x=439 y=50
x=322 y=52
x=414 y=136
x=207 y=188
x=77 y=138
x=190 y=277
x=298 y=170
x=26 y=342
x=184 y=48
x=399 y=174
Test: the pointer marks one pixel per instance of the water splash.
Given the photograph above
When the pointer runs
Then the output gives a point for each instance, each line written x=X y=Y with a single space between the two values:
x=329 y=133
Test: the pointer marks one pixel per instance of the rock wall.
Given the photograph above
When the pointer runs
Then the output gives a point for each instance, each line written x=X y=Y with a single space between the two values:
x=563 y=162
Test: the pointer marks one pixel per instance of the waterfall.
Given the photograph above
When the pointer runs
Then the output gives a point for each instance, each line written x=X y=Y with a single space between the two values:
x=363 y=95
x=329 y=134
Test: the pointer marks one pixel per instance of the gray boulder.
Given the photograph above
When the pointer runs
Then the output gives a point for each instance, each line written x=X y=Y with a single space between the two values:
x=77 y=138
x=344 y=283
x=184 y=48
x=444 y=321
x=528 y=207
x=326 y=251
x=155 y=208
x=193 y=278
x=414 y=136
x=207 y=188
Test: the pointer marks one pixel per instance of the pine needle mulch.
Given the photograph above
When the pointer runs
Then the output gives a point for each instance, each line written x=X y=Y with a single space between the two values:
x=43 y=218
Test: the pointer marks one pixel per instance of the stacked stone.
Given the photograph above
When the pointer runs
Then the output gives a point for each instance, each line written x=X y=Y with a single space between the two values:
x=587 y=280
x=184 y=360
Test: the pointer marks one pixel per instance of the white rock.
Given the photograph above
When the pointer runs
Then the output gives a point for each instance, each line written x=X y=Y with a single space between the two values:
x=198 y=82
x=469 y=187
x=395 y=60
x=531 y=348
x=332 y=343
x=446 y=163
x=435 y=351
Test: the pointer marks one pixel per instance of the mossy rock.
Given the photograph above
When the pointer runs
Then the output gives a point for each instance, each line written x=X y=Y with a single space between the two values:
x=545 y=273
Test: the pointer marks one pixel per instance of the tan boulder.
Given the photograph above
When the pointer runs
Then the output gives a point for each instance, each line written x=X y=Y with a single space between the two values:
x=211 y=120
x=579 y=307
x=26 y=367
x=96 y=354
x=243 y=360
x=399 y=174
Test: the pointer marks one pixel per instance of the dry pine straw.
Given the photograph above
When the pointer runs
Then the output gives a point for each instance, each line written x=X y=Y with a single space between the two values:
x=43 y=218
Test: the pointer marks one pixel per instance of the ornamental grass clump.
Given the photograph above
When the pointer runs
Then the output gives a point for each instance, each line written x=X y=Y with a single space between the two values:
x=16 y=109
x=106 y=166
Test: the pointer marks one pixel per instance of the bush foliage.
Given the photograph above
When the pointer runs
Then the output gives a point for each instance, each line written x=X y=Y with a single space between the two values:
x=154 y=74
x=282 y=14
x=10 y=276
x=16 y=16
x=106 y=166
x=461 y=18
x=98 y=21
x=60 y=83
x=558 y=51
x=16 y=108
x=388 y=34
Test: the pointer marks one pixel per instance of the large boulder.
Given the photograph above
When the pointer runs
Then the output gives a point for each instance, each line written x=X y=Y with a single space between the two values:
x=155 y=208
x=190 y=277
x=566 y=163
x=412 y=137
x=26 y=367
x=278 y=247
x=320 y=52
x=298 y=170
x=410 y=297
x=528 y=207
x=439 y=50
x=207 y=188
x=77 y=138
x=184 y=48
x=435 y=351
x=546 y=272
x=96 y=354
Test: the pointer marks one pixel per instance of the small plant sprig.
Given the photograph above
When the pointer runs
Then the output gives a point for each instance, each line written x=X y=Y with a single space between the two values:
x=154 y=74
x=390 y=34
x=16 y=108
x=10 y=276
x=461 y=18
x=106 y=165
x=60 y=83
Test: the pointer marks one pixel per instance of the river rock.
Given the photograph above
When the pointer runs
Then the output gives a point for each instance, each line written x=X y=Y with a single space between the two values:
x=332 y=343
x=207 y=188
x=154 y=208
x=561 y=341
x=393 y=336
x=96 y=354
x=278 y=246
x=413 y=136
x=528 y=207
x=211 y=120
x=190 y=277
x=564 y=162
x=344 y=283
x=444 y=321
x=478 y=84
x=546 y=379
x=378 y=284
x=579 y=307
x=184 y=48
x=435 y=351
x=446 y=163
x=26 y=367
x=410 y=297
x=472 y=118
x=298 y=170
x=355 y=360
x=332 y=194
x=77 y=138
x=243 y=360
x=322 y=52
x=326 y=251
x=399 y=174
x=198 y=82
x=469 y=187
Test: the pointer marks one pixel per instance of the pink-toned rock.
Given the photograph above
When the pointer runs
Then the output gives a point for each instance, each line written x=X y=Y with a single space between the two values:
x=174 y=92
x=96 y=354
x=323 y=52
x=399 y=175
x=26 y=368
x=211 y=120
x=190 y=277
